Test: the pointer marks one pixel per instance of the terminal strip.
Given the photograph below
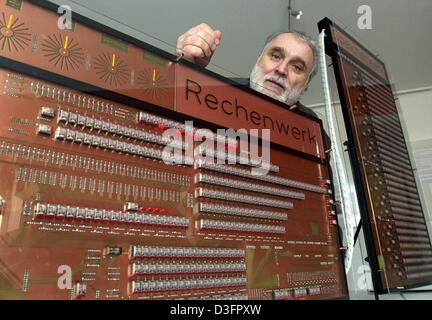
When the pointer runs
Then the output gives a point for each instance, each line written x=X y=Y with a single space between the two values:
x=234 y=158
x=186 y=284
x=42 y=210
x=229 y=196
x=190 y=267
x=75 y=136
x=137 y=251
x=205 y=224
x=226 y=182
x=237 y=211
x=144 y=117
x=200 y=164
x=109 y=127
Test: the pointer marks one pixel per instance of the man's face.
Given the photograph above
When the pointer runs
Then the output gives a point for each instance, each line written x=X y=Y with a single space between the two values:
x=283 y=70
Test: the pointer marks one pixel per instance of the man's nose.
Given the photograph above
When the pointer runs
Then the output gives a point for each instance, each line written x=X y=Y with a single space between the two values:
x=282 y=68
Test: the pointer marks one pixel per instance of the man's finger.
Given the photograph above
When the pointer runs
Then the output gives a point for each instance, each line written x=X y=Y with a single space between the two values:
x=210 y=35
x=203 y=27
x=191 y=51
x=198 y=44
x=218 y=36
x=198 y=41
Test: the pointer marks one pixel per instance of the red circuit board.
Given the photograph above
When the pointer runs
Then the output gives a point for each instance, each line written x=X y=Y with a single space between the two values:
x=90 y=209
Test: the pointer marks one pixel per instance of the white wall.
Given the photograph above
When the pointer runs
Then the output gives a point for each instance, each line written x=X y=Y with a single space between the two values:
x=416 y=108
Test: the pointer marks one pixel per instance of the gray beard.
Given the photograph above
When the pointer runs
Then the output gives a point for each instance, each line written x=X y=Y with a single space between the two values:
x=257 y=78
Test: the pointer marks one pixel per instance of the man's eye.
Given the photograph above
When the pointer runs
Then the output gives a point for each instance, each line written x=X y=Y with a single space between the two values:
x=275 y=56
x=297 y=68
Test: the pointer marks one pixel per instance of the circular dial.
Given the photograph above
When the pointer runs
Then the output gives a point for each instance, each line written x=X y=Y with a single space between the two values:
x=111 y=69
x=63 y=52
x=153 y=83
x=14 y=36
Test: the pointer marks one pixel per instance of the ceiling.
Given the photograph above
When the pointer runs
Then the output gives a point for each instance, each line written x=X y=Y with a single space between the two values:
x=399 y=30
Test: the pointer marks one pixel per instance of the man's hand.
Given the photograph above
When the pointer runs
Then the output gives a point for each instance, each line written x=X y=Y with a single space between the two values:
x=198 y=44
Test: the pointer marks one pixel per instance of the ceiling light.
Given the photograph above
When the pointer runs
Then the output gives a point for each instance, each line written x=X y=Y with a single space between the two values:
x=297 y=14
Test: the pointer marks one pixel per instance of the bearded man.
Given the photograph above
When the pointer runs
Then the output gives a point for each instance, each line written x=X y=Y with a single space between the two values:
x=283 y=71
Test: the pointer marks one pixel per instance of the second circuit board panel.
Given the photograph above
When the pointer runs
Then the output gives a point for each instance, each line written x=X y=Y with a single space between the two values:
x=92 y=206
x=398 y=241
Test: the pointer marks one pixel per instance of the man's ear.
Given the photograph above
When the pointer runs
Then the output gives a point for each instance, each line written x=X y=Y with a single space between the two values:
x=307 y=84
